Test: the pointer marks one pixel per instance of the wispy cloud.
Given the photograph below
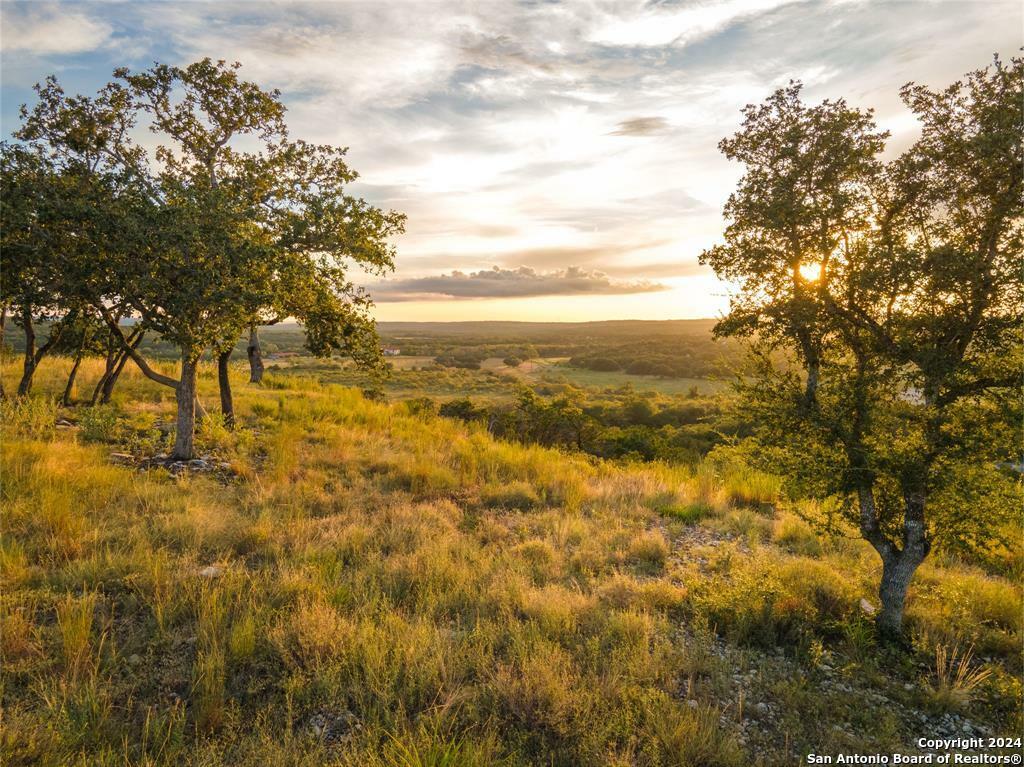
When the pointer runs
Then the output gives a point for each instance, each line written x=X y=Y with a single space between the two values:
x=655 y=24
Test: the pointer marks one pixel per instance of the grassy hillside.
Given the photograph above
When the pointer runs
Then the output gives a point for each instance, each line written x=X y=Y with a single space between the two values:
x=353 y=584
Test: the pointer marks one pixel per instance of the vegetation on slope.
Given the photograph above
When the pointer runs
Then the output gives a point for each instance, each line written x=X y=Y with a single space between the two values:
x=362 y=584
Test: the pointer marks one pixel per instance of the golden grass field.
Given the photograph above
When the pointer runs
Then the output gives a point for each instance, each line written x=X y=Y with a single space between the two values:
x=366 y=586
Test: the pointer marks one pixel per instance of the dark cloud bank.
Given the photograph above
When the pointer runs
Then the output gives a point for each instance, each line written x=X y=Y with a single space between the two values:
x=508 y=283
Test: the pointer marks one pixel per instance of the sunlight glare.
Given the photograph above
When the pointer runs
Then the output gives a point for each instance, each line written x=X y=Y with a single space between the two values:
x=810 y=272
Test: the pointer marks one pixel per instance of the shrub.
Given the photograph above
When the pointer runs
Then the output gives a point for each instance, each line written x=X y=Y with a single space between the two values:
x=797 y=537
x=688 y=513
x=517 y=496
x=421 y=406
x=648 y=552
x=29 y=417
x=99 y=424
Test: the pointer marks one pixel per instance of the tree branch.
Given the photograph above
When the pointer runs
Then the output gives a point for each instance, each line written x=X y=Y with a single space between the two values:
x=137 y=358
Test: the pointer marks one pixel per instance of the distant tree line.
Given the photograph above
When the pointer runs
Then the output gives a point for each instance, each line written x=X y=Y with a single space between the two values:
x=622 y=425
x=694 y=356
x=228 y=224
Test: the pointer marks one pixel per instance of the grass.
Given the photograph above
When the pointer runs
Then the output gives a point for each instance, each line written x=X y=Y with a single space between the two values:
x=956 y=676
x=391 y=588
x=561 y=372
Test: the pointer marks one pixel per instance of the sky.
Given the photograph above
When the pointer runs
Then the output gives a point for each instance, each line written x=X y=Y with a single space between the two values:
x=557 y=161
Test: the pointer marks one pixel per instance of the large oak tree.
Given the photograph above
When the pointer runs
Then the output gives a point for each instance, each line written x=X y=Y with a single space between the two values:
x=895 y=291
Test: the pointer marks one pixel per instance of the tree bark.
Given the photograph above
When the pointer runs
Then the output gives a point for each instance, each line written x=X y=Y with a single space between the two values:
x=108 y=385
x=3 y=347
x=255 y=356
x=227 y=407
x=34 y=356
x=185 y=427
x=65 y=398
x=29 y=367
x=897 y=572
x=108 y=368
x=898 y=563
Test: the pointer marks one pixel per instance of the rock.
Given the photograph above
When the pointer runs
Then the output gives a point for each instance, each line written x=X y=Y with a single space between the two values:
x=224 y=465
x=198 y=463
x=122 y=458
x=908 y=686
x=333 y=727
x=64 y=423
x=134 y=659
x=762 y=708
x=867 y=608
x=210 y=571
x=692 y=703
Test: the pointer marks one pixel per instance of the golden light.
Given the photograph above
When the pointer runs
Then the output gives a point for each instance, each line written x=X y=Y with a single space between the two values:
x=810 y=272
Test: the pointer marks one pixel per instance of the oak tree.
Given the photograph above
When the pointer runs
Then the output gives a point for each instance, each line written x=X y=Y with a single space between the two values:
x=895 y=291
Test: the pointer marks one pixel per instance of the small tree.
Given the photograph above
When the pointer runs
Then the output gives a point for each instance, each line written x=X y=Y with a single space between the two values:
x=36 y=241
x=896 y=293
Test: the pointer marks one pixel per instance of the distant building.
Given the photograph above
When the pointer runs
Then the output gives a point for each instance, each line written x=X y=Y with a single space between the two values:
x=392 y=351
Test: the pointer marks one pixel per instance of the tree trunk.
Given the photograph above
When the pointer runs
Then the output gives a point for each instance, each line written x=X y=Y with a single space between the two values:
x=899 y=563
x=34 y=356
x=185 y=391
x=255 y=356
x=3 y=347
x=108 y=385
x=29 y=368
x=108 y=368
x=65 y=398
x=111 y=380
x=227 y=407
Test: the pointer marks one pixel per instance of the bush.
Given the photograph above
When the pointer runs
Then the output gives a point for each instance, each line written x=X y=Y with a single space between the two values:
x=99 y=424
x=422 y=406
x=689 y=513
x=518 y=496
x=30 y=417
x=648 y=553
x=797 y=537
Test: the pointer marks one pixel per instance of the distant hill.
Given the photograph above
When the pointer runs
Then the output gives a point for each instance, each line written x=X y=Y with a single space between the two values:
x=506 y=329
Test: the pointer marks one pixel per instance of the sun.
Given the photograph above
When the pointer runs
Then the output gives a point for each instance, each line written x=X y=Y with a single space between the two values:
x=810 y=272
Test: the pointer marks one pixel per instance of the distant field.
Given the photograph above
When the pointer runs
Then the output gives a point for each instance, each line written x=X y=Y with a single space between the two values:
x=410 y=363
x=415 y=376
x=556 y=371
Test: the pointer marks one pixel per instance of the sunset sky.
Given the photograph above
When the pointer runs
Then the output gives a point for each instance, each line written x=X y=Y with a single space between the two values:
x=556 y=161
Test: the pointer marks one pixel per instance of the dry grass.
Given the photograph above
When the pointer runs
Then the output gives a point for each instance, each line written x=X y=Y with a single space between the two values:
x=434 y=596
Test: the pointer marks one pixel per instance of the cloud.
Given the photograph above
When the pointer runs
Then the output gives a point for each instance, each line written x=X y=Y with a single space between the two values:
x=503 y=129
x=508 y=283
x=676 y=24
x=641 y=126
x=50 y=29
